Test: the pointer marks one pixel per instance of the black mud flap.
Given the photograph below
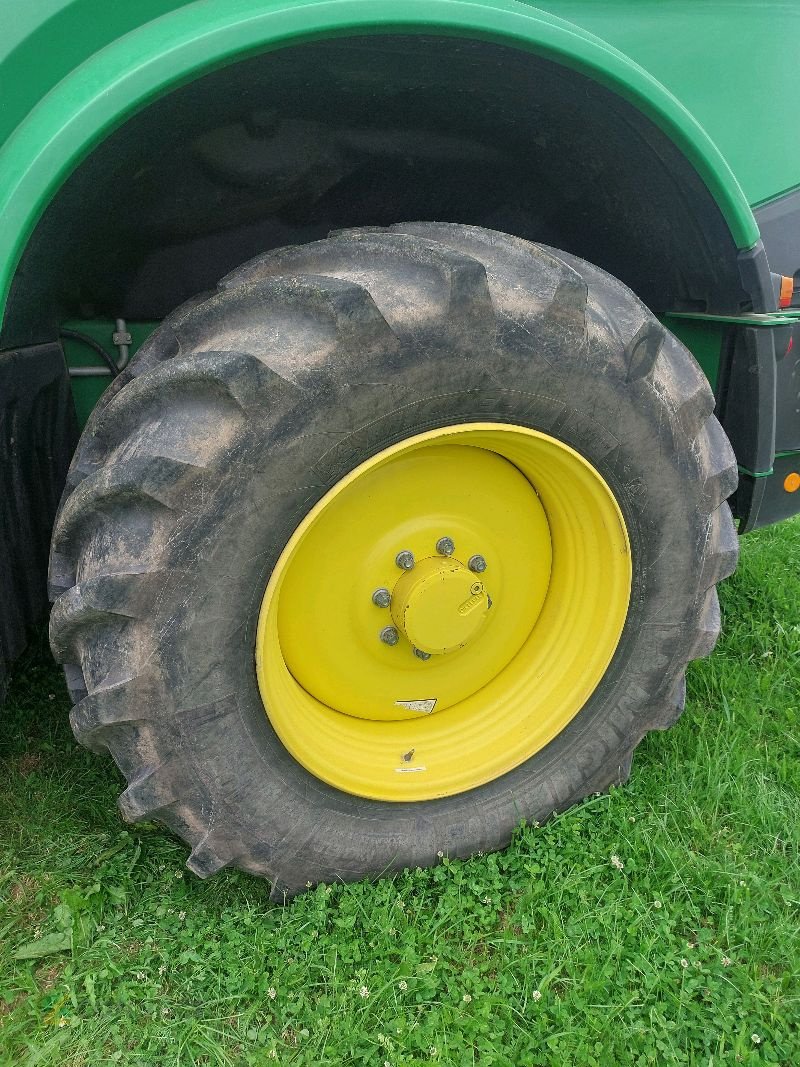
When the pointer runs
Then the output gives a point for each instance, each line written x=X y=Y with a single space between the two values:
x=38 y=434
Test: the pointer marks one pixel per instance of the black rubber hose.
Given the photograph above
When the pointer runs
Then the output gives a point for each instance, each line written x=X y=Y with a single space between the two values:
x=76 y=335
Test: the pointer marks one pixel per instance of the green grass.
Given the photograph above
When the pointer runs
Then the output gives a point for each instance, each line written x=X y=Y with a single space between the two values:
x=545 y=954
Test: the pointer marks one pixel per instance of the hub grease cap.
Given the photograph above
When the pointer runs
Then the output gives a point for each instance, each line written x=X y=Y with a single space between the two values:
x=440 y=605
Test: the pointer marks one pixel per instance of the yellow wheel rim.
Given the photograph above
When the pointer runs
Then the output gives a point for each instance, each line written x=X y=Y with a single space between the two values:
x=506 y=565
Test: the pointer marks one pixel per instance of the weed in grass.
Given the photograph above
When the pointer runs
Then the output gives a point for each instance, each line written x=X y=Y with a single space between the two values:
x=655 y=925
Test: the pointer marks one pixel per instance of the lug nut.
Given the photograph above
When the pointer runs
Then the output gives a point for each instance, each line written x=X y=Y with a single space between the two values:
x=404 y=560
x=445 y=546
x=421 y=655
x=477 y=564
x=381 y=598
x=389 y=635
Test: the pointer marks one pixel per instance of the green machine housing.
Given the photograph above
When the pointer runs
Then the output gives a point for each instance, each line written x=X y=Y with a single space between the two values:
x=147 y=148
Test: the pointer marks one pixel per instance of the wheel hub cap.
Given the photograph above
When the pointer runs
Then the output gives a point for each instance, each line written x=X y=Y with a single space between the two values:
x=439 y=605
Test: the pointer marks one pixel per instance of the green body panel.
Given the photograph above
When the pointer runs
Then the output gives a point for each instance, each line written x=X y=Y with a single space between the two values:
x=731 y=63
x=704 y=341
x=75 y=69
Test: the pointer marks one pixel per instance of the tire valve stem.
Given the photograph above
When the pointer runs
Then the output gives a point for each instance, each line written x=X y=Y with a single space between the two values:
x=382 y=598
x=389 y=635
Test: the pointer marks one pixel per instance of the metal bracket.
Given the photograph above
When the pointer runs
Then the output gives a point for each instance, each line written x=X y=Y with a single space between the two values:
x=122 y=339
x=769 y=319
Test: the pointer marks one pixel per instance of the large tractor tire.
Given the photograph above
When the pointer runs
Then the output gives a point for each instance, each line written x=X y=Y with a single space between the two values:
x=395 y=540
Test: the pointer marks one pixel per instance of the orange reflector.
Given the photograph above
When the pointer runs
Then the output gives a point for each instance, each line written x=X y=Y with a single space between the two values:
x=791 y=483
x=787 y=288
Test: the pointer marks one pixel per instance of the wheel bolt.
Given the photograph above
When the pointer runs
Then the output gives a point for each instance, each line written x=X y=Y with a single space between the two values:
x=477 y=564
x=381 y=598
x=389 y=635
x=404 y=560
x=445 y=546
x=421 y=655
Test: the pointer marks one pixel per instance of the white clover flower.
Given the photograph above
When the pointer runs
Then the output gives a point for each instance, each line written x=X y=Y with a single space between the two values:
x=536 y=995
x=363 y=991
x=617 y=862
x=181 y=915
x=467 y=998
x=432 y=1051
x=684 y=963
x=487 y=900
x=179 y=874
x=141 y=976
x=756 y=1039
x=656 y=903
x=62 y=1021
x=162 y=969
x=309 y=885
x=272 y=992
x=402 y=985
x=726 y=961
x=440 y=854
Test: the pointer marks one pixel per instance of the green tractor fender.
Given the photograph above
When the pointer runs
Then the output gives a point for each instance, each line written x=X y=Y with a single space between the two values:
x=158 y=56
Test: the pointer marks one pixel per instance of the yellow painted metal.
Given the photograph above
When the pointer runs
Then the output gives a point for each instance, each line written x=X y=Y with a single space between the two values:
x=328 y=624
x=439 y=605
x=514 y=652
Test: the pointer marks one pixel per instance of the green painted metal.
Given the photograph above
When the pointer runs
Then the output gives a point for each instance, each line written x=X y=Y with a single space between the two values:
x=755 y=474
x=128 y=61
x=769 y=320
x=731 y=63
x=703 y=339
